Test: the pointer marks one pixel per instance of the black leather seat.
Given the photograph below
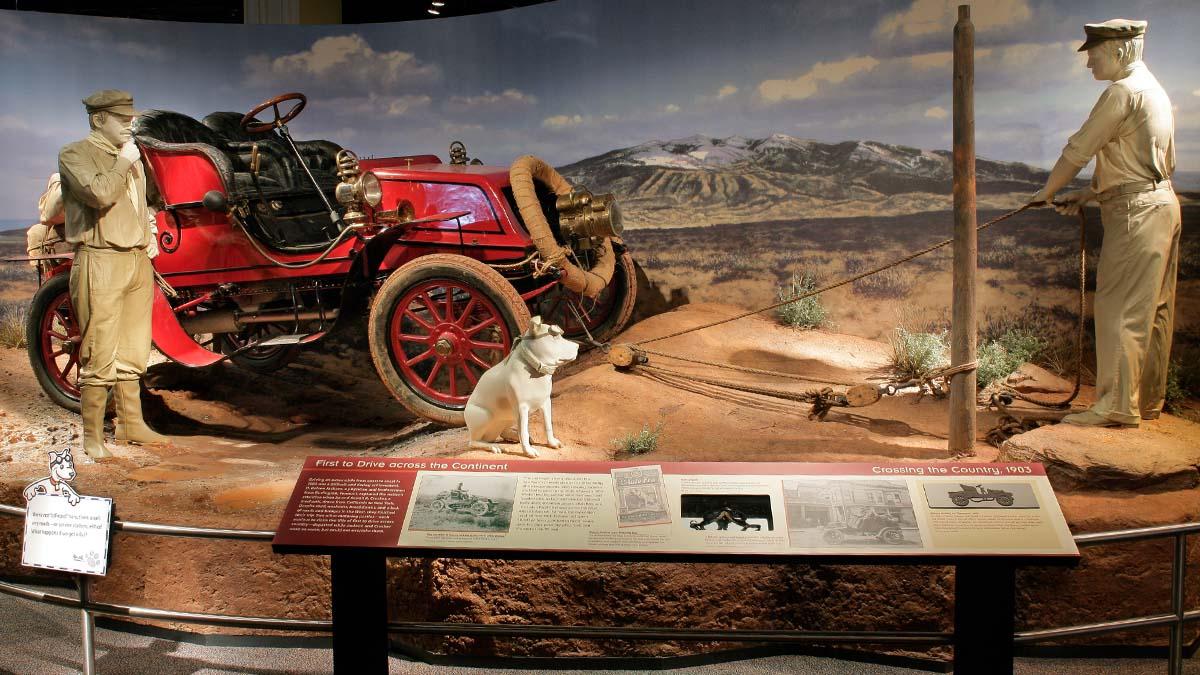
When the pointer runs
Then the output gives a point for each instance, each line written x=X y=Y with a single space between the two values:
x=173 y=132
x=319 y=156
x=285 y=211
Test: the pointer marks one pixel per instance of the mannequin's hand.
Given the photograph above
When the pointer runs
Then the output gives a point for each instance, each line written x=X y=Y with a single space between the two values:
x=152 y=249
x=130 y=152
x=1072 y=202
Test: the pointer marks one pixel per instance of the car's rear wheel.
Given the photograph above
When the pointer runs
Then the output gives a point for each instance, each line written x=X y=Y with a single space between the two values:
x=263 y=360
x=436 y=325
x=1004 y=500
x=834 y=537
x=52 y=339
x=604 y=316
x=960 y=501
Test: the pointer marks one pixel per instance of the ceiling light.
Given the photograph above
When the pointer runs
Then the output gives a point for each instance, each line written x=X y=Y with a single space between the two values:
x=433 y=11
x=437 y=3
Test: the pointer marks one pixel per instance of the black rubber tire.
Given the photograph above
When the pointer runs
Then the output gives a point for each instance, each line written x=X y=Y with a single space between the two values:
x=438 y=505
x=834 y=537
x=960 y=501
x=262 y=360
x=1004 y=500
x=892 y=536
x=49 y=292
x=436 y=266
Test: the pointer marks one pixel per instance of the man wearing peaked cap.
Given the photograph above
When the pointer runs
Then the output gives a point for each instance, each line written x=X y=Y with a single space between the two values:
x=108 y=223
x=1131 y=133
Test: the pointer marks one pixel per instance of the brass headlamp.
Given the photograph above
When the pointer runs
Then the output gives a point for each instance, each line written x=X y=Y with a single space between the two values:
x=356 y=187
x=583 y=215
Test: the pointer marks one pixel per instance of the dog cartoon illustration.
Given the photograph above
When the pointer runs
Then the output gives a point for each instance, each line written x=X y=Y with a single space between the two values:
x=517 y=386
x=62 y=472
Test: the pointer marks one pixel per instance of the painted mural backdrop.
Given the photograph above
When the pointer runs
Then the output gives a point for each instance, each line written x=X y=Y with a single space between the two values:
x=751 y=143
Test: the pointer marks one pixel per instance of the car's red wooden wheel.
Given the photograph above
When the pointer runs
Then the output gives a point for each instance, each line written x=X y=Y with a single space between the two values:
x=60 y=344
x=436 y=324
x=52 y=339
x=444 y=334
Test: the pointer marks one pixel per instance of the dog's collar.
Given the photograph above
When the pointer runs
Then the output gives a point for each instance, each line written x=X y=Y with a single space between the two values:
x=536 y=368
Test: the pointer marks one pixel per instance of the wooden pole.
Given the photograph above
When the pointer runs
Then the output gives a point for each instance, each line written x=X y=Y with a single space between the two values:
x=962 y=348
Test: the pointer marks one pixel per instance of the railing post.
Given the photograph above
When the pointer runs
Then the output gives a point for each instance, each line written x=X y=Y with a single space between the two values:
x=962 y=333
x=359 y=603
x=985 y=594
x=1175 y=643
x=89 y=625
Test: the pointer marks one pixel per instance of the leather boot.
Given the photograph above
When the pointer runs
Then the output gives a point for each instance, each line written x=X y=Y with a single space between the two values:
x=92 y=401
x=130 y=425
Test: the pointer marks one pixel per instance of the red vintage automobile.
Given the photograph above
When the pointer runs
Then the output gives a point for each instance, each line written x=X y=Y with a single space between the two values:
x=267 y=243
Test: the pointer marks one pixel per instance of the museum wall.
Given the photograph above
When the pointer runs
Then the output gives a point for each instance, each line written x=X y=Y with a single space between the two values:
x=751 y=144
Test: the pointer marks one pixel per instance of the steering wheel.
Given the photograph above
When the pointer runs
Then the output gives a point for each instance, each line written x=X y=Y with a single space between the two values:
x=253 y=126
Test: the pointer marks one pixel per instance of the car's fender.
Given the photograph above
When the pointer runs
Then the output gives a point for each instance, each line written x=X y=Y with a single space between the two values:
x=174 y=342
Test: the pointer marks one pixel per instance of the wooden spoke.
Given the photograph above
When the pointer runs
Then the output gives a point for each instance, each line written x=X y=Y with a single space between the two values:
x=419 y=357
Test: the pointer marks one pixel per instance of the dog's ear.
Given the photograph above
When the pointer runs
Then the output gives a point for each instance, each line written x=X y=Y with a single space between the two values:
x=535 y=326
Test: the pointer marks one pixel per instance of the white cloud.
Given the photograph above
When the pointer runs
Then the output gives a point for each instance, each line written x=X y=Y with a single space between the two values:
x=807 y=85
x=344 y=63
x=564 y=121
x=14 y=123
x=508 y=99
x=1196 y=92
x=937 y=112
x=670 y=109
x=729 y=90
x=924 y=17
x=372 y=105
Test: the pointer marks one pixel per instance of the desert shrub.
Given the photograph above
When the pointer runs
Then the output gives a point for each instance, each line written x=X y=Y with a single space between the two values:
x=12 y=324
x=806 y=313
x=998 y=358
x=917 y=355
x=639 y=442
x=1183 y=382
x=889 y=283
x=999 y=254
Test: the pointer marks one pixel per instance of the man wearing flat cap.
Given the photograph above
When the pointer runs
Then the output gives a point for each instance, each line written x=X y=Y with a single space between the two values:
x=112 y=282
x=1130 y=132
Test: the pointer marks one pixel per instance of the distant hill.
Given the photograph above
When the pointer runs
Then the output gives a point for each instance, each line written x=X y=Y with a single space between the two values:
x=700 y=180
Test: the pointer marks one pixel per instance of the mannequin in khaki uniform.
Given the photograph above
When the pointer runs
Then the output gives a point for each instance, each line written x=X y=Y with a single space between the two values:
x=1130 y=132
x=107 y=223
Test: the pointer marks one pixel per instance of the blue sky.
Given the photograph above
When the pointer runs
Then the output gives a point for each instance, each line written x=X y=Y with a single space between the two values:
x=575 y=78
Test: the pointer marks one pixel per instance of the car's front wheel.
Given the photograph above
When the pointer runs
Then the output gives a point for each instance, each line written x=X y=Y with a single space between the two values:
x=436 y=325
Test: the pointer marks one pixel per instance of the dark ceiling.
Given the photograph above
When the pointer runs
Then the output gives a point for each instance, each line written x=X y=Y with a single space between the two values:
x=231 y=11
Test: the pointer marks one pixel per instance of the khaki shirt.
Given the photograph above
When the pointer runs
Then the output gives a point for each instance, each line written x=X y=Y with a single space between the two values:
x=99 y=212
x=1130 y=132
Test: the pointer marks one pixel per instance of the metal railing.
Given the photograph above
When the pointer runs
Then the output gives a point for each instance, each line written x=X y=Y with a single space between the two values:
x=1175 y=620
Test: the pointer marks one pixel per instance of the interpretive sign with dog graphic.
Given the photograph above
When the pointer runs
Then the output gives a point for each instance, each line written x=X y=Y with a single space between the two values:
x=768 y=509
x=65 y=530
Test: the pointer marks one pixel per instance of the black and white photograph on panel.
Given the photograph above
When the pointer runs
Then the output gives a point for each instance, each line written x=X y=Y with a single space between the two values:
x=980 y=495
x=727 y=513
x=851 y=513
x=461 y=503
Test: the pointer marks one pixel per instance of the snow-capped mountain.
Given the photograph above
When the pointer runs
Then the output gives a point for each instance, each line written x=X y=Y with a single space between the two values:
x=700 y=180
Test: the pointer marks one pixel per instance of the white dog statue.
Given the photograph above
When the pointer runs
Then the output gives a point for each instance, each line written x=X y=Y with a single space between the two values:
x=517 y=386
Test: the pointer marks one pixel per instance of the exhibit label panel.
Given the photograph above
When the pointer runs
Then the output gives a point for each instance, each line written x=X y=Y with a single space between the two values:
x=676 y=507
x=69 y=535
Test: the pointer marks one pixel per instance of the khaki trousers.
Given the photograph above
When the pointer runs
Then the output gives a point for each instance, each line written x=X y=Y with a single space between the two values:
x=112 y=292
x=1135 y=303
